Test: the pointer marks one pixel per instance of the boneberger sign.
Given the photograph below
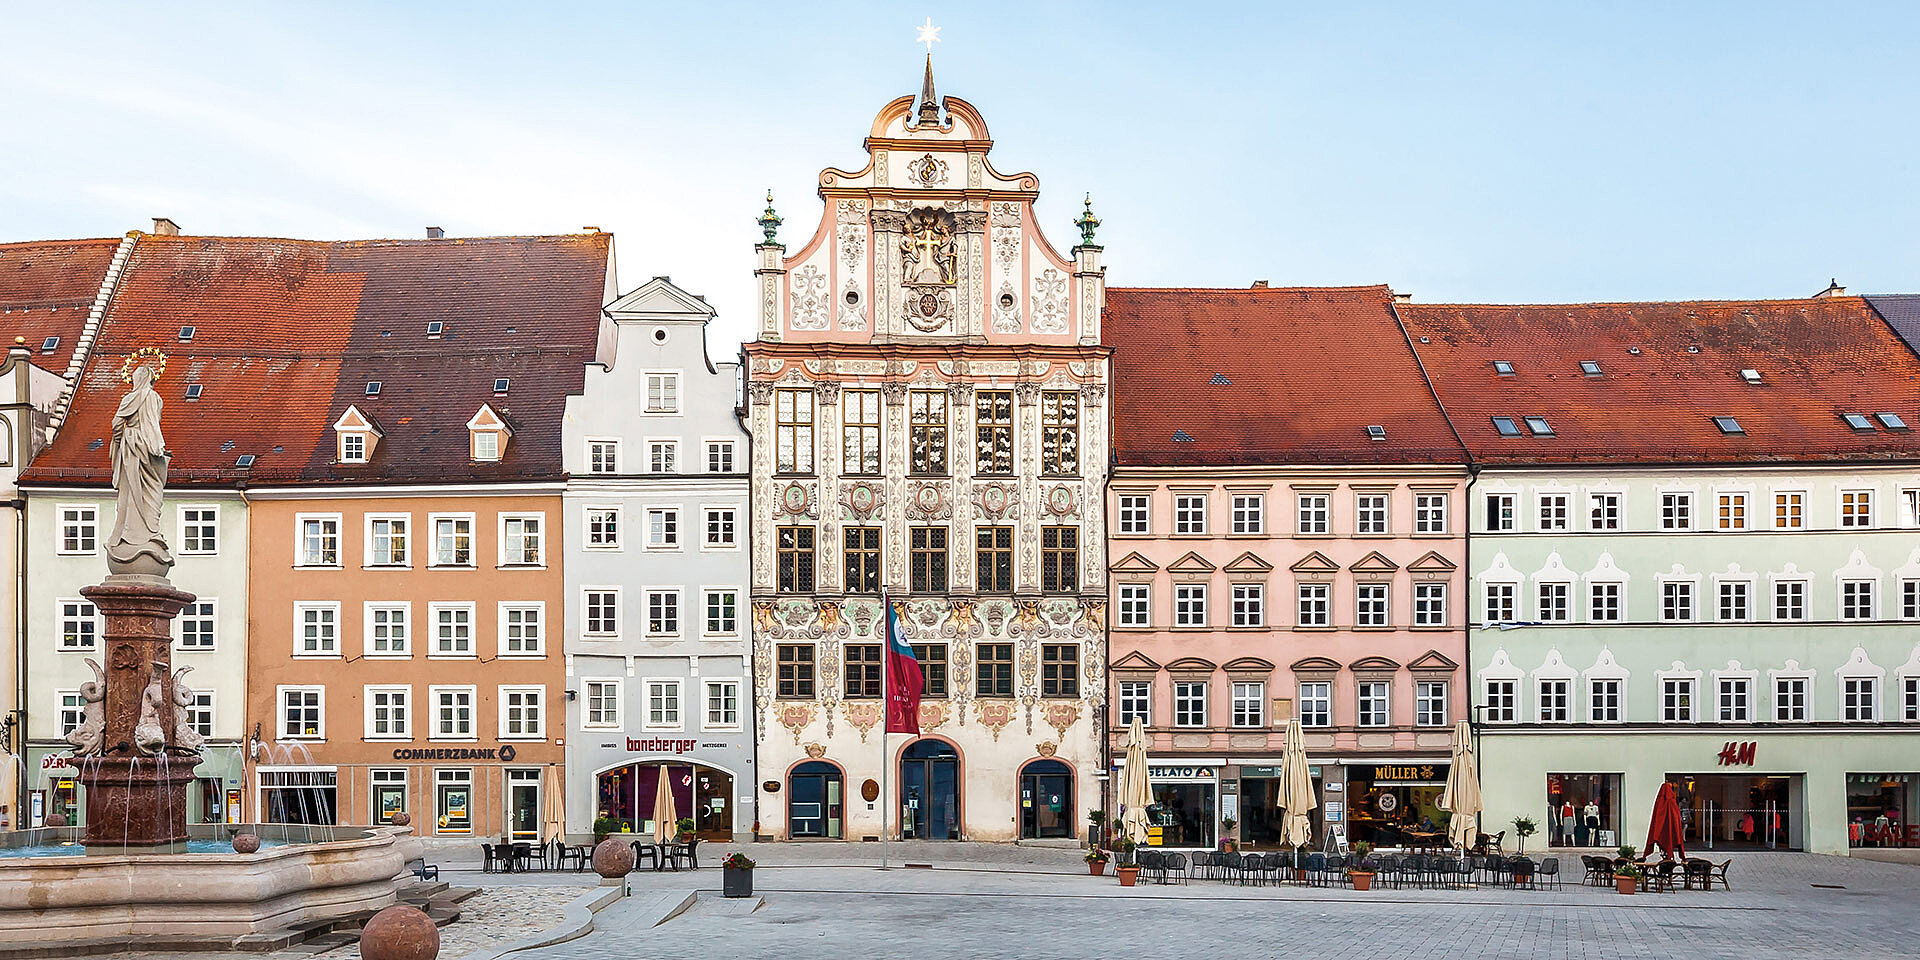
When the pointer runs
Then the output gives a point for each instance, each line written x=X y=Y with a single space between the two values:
x=659 y=746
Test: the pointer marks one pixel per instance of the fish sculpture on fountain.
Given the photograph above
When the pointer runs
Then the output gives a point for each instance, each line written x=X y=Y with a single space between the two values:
x=89 y=737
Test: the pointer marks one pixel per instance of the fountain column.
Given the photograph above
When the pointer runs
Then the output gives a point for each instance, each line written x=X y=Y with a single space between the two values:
x=136 y=792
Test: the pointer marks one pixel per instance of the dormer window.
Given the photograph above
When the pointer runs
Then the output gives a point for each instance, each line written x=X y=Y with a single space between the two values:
x=357 y=434
x=487 y=436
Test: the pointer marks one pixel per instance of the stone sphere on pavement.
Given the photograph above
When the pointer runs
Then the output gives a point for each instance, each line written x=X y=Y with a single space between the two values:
x=400 y=932
x=402 y=819
x=246 y=843
x=613 y=858
x=56 y=819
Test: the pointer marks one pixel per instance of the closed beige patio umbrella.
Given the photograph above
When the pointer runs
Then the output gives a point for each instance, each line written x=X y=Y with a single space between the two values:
x=1296 y=790
x=553 y=804
x=1135 y=793
x=665 y=819
x=1461 y=798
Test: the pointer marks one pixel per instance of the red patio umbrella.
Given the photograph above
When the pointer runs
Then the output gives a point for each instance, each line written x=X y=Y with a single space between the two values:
x=1664 y=830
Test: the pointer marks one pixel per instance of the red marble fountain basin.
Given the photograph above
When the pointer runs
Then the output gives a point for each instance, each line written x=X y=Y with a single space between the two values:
x=196 y=895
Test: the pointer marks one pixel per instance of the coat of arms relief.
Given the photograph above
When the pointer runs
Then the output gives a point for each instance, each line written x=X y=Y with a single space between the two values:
x=929 y=267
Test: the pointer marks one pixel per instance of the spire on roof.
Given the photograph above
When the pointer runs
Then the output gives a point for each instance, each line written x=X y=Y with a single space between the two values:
x=929 y=104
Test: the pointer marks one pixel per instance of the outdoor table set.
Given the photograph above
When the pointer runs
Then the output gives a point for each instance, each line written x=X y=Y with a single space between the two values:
x=510 y=857
x=668 y=855
x=1660 y=876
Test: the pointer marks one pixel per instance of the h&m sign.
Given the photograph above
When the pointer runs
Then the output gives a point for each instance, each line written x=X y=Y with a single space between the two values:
x=1737 y=753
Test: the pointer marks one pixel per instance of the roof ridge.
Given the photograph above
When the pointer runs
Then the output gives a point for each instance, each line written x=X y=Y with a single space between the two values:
x=1857 y=298
x=383 y=241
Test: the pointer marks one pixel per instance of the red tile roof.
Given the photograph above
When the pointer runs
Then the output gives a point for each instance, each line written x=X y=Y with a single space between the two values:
x=1666 y=370
x=288 y=332
x=1267 y=376
x=46 y=289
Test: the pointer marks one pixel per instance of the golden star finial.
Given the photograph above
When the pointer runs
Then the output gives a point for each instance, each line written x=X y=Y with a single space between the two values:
x=929 y=34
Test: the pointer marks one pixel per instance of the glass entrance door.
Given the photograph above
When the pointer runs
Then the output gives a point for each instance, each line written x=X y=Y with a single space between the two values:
x=523 y=804
x=813 y=801
x=930 y=792
x=1046 y=800
x=1732 y=812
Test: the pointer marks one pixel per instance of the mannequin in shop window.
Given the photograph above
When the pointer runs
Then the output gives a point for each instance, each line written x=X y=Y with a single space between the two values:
x=1590 y=821
x=1566 y=822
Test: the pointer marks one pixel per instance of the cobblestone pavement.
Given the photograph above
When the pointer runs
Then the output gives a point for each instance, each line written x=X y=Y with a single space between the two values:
x=980 y=910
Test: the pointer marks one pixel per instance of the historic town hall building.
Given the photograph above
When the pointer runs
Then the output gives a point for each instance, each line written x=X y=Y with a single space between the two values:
x=928 y=406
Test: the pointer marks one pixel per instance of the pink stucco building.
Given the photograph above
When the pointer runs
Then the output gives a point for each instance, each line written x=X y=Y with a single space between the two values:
x=1287 y=517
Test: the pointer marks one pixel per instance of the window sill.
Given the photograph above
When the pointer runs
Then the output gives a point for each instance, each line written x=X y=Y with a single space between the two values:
x=521 y=656
x=521 y=566
x=386 y=656
x=387 y=566
x=451 y=566
x=318 y=566
x=451 y=656
x=75 y=650
x=1249 y=535
x=316 y=656
x=647 y=729
x=663 y=548
x=733 y=729
x=1388 y=628
x=601 y=637
x=1430 y=627
x=1373 y=536
x=1313 y=536
x=1251 y=628
x=386 y=739
x=1433 y=536
x=76 y=553
x=720 y=546
x=523 y=739
x=1189 y=536
x=198 y=553
x=453 y=739
x=603 y=548
x=1329 y=628
x=722 y=637
x=601 y=726
x=1190 y=628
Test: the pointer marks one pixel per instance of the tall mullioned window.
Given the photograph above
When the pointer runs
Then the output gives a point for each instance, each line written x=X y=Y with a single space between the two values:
x=793 y=430
x=927 y=431
x=793 y=547
x=1059 y=559
x=862 y=554
x=929 y=559
x=1059 y=433
x=860 y=431
x=993 y=559
x=993 y=431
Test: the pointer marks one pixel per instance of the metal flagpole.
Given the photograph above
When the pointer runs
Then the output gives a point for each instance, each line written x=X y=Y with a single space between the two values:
x=886 y=705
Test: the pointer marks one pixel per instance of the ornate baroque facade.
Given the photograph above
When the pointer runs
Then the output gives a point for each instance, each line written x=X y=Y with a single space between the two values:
x=928 y=407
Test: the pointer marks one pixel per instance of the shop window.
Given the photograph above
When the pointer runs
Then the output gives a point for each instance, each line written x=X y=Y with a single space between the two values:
x=389 y=793
x=1583 y=810
x=1395 y=804
x=453 y=800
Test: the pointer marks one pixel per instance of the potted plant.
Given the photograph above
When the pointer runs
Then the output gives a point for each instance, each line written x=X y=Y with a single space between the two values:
x=684 y=829
x=1096 y=862
x=1127 y=870
x=1096 y=828
x=1524 y=827
x=603 y=826
x=736 y=876
x=1361 y=873
x=1228 y=841
x=1627 y=876
x=1627 y=852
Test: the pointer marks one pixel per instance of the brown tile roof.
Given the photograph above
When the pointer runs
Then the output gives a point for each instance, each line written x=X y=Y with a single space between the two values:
x=1666 y=370
x=288 y=332
x=1267 y=376
x=46 y=289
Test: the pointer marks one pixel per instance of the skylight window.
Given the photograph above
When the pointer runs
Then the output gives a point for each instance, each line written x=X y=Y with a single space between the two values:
x=1220 y=380
x=96 y=444
x=373 y=388
x=500 y=385
x=1505 y=427
x=1181 y=436
x=1728 y=425
x=1539 y=426
x=193 y=391
x=1376 y=432
x=186 y=333
x=1503 y=368
x=1750 y=375
x=50 y=344
x=1590 y=367
x=1857 y=421
x=245 y=462
x=435 y=328
x=226 y=446
x=1891 y=420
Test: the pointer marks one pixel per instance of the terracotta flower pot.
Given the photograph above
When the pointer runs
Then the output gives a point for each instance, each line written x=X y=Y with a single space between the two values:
x=1096 y=868
x=1127 y=875
x=1362 y=880
x=1625 y=884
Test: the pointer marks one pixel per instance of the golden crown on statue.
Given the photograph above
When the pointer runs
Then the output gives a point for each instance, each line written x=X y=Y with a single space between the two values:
x=141 y=356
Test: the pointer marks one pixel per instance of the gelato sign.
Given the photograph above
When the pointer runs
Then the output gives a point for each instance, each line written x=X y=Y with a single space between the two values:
x=659 y=746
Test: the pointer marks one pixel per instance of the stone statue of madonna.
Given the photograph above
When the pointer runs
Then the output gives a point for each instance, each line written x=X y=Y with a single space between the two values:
x=139 y=457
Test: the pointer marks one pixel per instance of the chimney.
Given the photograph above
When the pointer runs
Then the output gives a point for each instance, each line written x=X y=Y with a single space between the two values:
x=1834 y=289
x=163 y=227
x=1259 y=285
x=435 y=233
x=1399 y=297
x=589 y=229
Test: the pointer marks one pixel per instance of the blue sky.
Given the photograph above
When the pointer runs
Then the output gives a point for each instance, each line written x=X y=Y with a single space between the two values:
x=1485 y=152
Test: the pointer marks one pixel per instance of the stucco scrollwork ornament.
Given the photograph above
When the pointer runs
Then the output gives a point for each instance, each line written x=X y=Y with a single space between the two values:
x=1027 y=392
x=1050 y=302
x=796 y=716
x=1006 y=309
x=933 y=714
x=961 y=623
x=1062 y=714
x=853 y=306
x=928 y=171
x=994 y=715
x=894 y=393
x=1093 y=394
x=816 y=750
x=826 y=393
x=996 y=500
x=863 y=500
x=864 y=715
x=928 y=501
x=796 y=499
x=1046 y=748
x=960 y=395
x=809 y=298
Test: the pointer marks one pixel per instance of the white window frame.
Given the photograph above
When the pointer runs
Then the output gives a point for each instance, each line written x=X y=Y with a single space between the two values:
x=1136 y=519
x=212 y=617
x=300 y=609
x=1249 y=514
x=1553 y=511
x=1619 y=598
x=1719 y=599
x=506 y=559
x=663 y=455
x=433 y=541
x=1692 y=687
x=597 y=460
x=586 y=620
x=1431 y=603
x=726 y=447
x=1739 y=502
x=1135 y=601
x=368 y=628
x=1312 y=514
x=89 y=522
x=506 y=609
x=1249 y=699
x=1249 y=605
x=670 y=383
x=68 y=705
x=1320 y=604
x=1693 y=599
x=679 y=611
x=61 y=618
x=1860 y=517
x=1509 y=600
x=1799 y=510
x=1722 y=685
x=1372 y=612
x=368 y=693
x=1508 y=704
x=1136 y=699
x=1872 y=588
x=300 y=521
x=353 y=446
x=1508 y=506
x=672 y=513
x=369 y=557
x=706 y=612
x=707 y=514
x=1190 y=606
x=434 y=610
x=1777 y=679
x=1189 y=514
x=647 y=691
x=1430 y=704
x=1316 y=703
x=1370 y=520
x=1373 y=703
x=1679 y=514
x=1849 y=710
x=434 y=692
x=280 y=711
x=180 y=517
x=1182 y=705
x=1555 y=693
x=1804 y=591
x=707 y=687
x=1432 y=513
x=1618 y=697
x=617 y=686
x=1604 y=510
x=506 y=707
x=1560 y=593
x=588 y=517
